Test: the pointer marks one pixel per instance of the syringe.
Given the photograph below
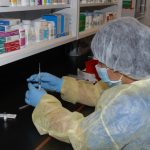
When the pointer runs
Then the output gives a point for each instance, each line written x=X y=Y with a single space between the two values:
x=6 y=116
x=39 y=77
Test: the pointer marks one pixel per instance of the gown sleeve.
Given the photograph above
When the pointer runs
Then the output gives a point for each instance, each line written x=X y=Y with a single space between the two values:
x=120 y=121
x=50 y=117
x=81 y=91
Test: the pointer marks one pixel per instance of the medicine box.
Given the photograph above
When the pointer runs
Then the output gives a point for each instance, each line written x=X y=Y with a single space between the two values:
x=7 y=34
x=9 y=39
x=12 y=46
x=5 y=3
x=9 y=21
x=2 y=50
x=57 y=22
x=61 y=22
x=64 y=25
x=82 y=22
x=10 y=33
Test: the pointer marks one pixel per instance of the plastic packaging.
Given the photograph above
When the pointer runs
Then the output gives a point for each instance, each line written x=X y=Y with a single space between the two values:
x=13 y=2
x=44 y=2
x=51 y=27
x=25 y=2
x=27 y=27
x=48 y=2
x=5 y=3
x=37 y=25
x=45 y=30
x=18 y=2
x=36 y=2
x=22 y=36
x=32 y=2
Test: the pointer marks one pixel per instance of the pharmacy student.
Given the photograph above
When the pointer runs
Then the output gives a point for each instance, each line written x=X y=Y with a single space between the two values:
x=121 y=120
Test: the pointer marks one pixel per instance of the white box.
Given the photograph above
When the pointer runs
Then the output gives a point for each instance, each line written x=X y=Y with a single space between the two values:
x=5 y=3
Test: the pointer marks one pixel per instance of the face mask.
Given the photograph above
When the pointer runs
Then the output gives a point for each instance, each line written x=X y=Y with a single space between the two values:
x=102 y=72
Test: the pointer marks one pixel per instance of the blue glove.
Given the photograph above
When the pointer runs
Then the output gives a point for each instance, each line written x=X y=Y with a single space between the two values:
x=48 y=81
x=33 y=95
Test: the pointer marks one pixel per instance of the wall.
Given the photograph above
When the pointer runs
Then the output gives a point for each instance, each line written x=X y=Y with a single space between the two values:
x=146 y=19
x=13 y=76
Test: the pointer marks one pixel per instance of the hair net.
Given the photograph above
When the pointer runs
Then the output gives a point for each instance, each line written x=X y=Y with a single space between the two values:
x=124 y=46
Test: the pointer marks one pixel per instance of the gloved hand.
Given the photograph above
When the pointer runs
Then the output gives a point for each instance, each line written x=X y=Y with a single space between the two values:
x=33 y=95
x=48 y=81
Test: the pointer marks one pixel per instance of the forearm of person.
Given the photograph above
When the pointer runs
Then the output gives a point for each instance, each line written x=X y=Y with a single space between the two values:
x=80 y=91
x=51 y=118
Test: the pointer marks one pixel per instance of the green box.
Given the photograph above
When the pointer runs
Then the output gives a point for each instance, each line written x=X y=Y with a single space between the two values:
x=2 y=40
x=127 y=4
x=2 y=50
x=82 y=22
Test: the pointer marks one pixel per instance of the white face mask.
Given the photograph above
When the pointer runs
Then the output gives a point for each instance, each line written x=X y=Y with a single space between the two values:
x=102 y=72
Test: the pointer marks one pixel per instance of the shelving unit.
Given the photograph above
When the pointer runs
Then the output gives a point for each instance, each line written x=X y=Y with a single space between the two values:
x=72 y=9
x=136 y=10
x=97 y=4
x=34 y=49
x=88 y=32
x=108 y=7
x=25 y=8
x=140 y=7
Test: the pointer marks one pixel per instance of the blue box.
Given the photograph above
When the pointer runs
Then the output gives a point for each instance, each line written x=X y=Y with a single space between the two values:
x=9 y=22
x=57 y=21
x=64 y=22
x=3 y=28
x=65 y=25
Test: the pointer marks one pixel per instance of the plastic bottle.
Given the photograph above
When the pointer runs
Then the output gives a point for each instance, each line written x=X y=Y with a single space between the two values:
x=33 y=36
x=32 y=2
x=52 y=30
x=18 y=2
x=44 y=2
x=27 y=27
x=13 y=2
x=48 y=2
x=44 y=27
x=37 y=25
x=22 y=36
x=25 y=2
x=36 y=2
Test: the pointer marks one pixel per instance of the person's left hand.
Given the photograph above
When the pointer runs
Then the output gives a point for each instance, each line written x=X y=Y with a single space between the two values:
x=33 y=95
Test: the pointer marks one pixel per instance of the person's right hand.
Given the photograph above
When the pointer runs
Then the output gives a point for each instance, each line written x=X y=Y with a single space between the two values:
x=33 y=95
x=48 y=81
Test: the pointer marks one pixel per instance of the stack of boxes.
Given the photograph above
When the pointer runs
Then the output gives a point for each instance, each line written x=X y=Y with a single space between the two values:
x=61 y=23
x=127 y=4
x=9 y=37
x=15 y=34
x=31 y=2
x=89 y=20
x=82 y=22
x=97 y=1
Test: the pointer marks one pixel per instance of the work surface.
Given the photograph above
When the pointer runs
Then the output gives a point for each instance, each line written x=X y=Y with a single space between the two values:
x=20 y=134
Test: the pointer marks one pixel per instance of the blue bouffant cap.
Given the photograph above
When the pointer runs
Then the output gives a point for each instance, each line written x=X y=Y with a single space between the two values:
x=124 y=45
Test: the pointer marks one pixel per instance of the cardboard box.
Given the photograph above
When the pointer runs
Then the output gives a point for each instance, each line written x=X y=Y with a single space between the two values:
x=5 y=3
x=9 y=21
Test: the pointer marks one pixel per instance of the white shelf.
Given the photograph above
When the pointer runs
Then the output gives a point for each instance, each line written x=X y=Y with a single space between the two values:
x=72 y=9
x=112 y=6
x=140 y=17
x=27 y=8
x=97 y=4
x=34 y=48
x=87 y=32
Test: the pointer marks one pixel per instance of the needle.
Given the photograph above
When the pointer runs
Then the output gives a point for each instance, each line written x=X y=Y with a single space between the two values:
x=39 y=77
